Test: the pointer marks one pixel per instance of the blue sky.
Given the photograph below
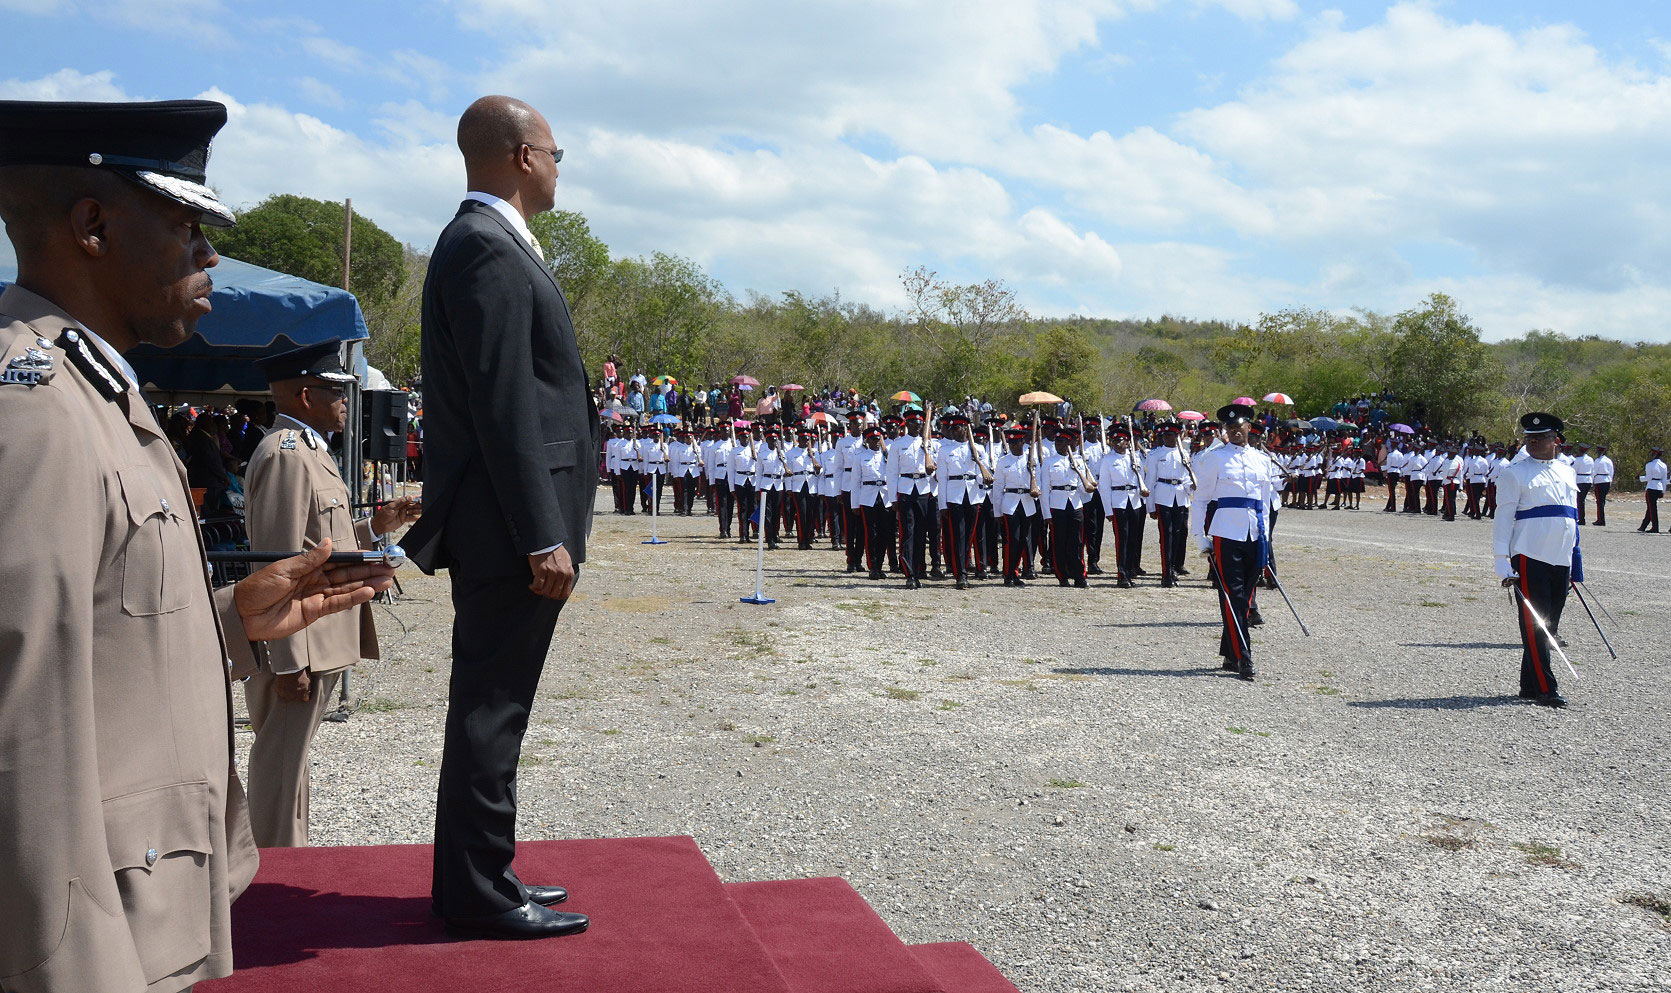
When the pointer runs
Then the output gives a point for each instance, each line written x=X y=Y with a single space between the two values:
x=1207 y=158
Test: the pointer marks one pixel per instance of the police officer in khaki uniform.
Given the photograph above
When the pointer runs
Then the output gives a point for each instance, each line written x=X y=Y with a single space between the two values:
x=295 y=499
x=124 y=833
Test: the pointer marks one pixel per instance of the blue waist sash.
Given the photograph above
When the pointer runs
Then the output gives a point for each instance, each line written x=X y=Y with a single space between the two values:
x=1258 y=508
x=1558 y=510
x=1547 y=510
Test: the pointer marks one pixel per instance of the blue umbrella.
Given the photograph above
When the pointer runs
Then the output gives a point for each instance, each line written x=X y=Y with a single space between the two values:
x=1326 y=424
x=664 y=419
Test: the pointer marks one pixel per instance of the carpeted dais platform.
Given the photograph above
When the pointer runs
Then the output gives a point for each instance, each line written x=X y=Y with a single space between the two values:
x=356 y=920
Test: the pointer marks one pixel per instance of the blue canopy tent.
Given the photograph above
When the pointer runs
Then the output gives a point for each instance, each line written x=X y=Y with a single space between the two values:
x=256 y=312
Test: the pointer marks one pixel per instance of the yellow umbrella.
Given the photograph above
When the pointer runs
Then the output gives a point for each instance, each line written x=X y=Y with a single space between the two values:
x=1040 y=397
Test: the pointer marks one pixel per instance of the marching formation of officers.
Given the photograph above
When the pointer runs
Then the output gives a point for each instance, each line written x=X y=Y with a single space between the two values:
x=945 y=502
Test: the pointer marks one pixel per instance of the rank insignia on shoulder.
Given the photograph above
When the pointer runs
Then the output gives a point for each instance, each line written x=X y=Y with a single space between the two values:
x=288 y=442
x=32 y=368
x=307 y=436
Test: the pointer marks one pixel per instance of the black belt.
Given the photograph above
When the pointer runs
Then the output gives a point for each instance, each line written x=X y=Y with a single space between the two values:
x=1171 y=482
x=914 y=475
x=968 y=476
x=1070 y=486
x=770 y=475
x=1011 y=489
x=873 y=482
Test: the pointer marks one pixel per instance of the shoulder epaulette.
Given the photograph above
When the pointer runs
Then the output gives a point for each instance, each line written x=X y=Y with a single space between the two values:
x=84 y=356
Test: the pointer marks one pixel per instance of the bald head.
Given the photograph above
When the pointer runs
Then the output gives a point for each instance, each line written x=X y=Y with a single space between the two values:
x=509 y=152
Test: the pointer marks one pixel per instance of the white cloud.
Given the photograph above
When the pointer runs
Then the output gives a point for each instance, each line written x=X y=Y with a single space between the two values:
x=320 y=93
x=65 y=84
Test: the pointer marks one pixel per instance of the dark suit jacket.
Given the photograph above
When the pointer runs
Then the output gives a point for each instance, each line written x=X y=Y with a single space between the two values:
x=510 y=428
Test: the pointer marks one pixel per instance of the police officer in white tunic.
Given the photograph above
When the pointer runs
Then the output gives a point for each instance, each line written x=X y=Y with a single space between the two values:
x=1066 y=482
x=1015 y=492
x=1603 y=481
x=1230 y=520
x=1535 y=542
x=1122 y=491
x=1167 y=477
x=961 y=470
x=1654 y=479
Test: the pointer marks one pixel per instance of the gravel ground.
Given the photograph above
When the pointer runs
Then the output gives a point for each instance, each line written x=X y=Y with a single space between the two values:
x=1063 y=778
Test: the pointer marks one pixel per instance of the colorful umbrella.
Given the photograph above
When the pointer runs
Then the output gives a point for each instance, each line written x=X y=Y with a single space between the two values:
x=1244 y=401
x=906 y=396
x=822 y=418
x=1039 y=397
x=1402 y=428
x=664 y=419
x=786 y=387
x=744 y=387
x=1153 y=405
x=741 y=423
x=1281 y=398
x=1191 y=415
x=609 y=415
x=664 y=381
x=744 y=381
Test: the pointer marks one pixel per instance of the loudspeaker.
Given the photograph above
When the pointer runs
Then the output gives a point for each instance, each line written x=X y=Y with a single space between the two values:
x=383 y=422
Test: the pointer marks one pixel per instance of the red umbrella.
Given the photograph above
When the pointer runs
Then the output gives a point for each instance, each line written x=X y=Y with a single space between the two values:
x=791 y=386
x=822 y=418
x=1191 y=415
x=744 y=381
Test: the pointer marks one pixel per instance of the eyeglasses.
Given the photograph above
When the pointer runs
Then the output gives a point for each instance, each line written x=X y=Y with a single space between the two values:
x=555 y=153
x=335 y=391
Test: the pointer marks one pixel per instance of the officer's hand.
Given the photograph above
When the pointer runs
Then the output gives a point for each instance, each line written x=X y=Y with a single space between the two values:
x=278 y=600
x=1154 y=515
x=1034 y=493
x=1505 y=569
x=395 y=514
x=553 y=574
x=293 y=686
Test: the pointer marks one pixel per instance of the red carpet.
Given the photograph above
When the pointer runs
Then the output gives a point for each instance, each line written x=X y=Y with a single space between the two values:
x=356 y=920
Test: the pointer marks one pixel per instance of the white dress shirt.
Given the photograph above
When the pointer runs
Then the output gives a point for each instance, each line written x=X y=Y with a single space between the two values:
x=1231 y=471
x=1532 y=483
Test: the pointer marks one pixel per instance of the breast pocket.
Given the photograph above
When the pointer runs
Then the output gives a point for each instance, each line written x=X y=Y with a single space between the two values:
x=336 y=522
x=560 y=454
x=159 y=849
x=160 y=556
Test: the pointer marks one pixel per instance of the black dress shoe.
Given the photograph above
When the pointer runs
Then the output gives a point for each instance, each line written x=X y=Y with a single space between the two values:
x=1081 y=583
x=1123 y=583
x=547 y=896
x=875 y=574
x=1245 y=671
x=1228 y=666
x=936 y=574
x=1140 y=571
x=980 y=574
x=527 y=921
x=1018 y=582
x=1255 y=619
x=1550 y=700
x=1093 y=570
x=1182 y=571
x=1029 y=574
x=962 y=584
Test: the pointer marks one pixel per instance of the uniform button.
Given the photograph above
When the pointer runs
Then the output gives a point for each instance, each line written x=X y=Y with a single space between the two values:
x=333 y=500
x=150 y=856
x=165 y=506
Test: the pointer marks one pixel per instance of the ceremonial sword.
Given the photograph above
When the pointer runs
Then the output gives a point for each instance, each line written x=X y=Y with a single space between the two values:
x=1548 y=635
x=1580 y=584
x=394 y=556
x=1593 y=620
x=1278 y=583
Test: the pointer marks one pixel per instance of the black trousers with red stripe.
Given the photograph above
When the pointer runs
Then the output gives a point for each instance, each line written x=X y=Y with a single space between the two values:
x=916 y=530
x=878 y=528
x=1094 y=514
x=1067 y=544
x=1128 y=539
x=987 y=526
x=1238 y=565
x=724 y=501
x=1173 y=530
x=957 y=530
x=854 y=529
x=1545 y=586
x=1018 y=538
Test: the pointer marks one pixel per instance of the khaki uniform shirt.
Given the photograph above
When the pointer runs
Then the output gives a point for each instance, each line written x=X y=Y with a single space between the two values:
x=123 y=832
x=294 y=499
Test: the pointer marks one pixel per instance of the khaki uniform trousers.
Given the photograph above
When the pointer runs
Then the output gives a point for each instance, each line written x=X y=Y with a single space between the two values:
x=278 y=761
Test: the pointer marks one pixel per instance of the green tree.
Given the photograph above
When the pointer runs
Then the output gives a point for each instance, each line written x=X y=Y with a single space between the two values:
x=303 y=237
x=1440 y=368
x=579 y=260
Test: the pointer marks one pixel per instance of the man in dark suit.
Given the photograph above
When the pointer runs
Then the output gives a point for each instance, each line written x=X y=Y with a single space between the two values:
x=510 y=432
